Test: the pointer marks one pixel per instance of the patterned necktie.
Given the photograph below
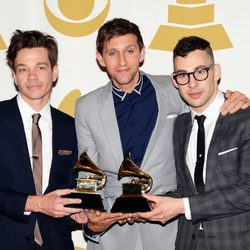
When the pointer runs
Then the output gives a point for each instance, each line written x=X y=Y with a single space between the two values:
x=37 y=166
x=198 y=173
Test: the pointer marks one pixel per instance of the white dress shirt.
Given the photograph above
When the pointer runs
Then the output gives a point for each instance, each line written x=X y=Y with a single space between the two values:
x=212 y=112
x=45 y=124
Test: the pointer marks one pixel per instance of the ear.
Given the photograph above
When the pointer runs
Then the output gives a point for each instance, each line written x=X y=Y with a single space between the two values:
x=142 y=56
x=217 y=72
x=14 y=77
x=55 y=72
x=100 y=60
x=173 y=81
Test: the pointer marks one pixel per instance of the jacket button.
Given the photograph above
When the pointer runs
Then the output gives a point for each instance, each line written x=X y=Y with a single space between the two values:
x=193 y=236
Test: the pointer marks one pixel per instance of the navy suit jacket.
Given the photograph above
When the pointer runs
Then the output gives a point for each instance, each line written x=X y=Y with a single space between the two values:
x=16 y=180
x=224 y=208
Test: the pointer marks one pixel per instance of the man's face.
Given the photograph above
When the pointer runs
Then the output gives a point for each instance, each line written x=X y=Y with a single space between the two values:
x=198 y=94
x=121 y=57
x=33 y=75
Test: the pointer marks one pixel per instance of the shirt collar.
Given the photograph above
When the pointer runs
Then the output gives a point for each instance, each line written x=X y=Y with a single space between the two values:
x=213 y=110
x=27 y=111
x=121 y=94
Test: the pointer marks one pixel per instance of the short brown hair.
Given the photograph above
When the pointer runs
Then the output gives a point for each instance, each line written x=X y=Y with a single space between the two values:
x=117 y=27
x=31 y=39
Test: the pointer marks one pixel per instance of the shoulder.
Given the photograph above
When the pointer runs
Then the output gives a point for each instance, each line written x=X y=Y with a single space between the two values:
x=160 y=80
x=95 y=95
x=8 y=106
x=242 y=116
x=163 y=85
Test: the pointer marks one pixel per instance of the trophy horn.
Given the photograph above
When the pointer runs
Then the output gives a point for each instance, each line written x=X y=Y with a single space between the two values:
x=84 y=163
x=129 y=168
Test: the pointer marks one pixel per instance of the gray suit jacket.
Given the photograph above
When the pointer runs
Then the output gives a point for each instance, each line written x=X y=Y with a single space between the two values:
x=98 y=133
x=224 y=208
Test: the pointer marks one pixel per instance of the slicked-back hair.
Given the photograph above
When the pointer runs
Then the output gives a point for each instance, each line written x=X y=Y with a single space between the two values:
x=192 y=43
x=31 y=39
x=115 y=28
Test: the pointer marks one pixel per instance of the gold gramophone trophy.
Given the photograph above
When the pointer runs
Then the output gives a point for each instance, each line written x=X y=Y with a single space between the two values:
x=87 y=186
x=131 y=199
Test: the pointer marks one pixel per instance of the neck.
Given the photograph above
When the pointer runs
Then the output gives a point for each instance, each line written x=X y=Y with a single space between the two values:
x=38 y=104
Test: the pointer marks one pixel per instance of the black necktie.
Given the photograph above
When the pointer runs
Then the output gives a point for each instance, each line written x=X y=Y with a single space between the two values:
x=37 y=166
x=198 y=173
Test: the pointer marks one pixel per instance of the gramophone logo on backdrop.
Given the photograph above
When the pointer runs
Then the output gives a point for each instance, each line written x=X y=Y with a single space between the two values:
x=76 y=11
x=2 y=43
x=190 y=17
x=77 y=21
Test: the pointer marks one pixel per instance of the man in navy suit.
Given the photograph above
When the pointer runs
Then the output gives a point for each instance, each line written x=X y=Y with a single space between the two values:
x=214 y=183
x=32 y=57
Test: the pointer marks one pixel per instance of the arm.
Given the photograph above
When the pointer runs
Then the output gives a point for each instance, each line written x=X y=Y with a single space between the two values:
x=163 y=208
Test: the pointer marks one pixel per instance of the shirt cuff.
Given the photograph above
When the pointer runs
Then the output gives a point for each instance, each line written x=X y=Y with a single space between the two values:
x=187 y=209
x=88 y=232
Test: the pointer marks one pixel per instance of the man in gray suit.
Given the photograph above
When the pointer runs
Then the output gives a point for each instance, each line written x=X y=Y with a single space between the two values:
x=134 y=113
x=215 y=183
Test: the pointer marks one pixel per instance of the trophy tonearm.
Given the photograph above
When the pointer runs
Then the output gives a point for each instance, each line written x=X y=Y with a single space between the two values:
x=129 y=168
x=86 y=164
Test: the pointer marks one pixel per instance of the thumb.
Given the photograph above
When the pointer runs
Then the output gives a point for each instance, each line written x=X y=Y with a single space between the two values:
x=150 y=197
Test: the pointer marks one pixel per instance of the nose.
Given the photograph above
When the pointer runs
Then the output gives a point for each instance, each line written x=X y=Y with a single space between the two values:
x=122 y=59
x=32 y=74
x=192 y=82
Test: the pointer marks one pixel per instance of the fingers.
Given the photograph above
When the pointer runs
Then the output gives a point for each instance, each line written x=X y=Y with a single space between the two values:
x=101 y=221
x=234 y=102
x=53 y=204
x=79 y=217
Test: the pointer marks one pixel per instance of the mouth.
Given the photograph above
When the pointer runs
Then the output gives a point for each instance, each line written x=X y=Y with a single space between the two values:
x=122 y=70
x=34 y=86
x=195 y=95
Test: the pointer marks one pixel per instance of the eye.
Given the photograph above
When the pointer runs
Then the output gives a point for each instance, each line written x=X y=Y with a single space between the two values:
x=21 y=69
x=130 y=51
x=112 y=53
x=181 y=75
x=201 y=71
x=41 y=67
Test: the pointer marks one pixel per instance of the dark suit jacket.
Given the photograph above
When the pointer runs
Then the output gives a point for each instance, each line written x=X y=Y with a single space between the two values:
x=224 y=208
x=16 y=180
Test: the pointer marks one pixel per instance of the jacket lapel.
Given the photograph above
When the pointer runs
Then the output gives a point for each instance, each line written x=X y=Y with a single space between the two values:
x=109 y=124
x=161 y=95
x=185 y=134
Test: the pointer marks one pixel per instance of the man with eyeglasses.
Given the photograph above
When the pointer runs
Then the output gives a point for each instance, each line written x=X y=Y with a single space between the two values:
x=212 y=155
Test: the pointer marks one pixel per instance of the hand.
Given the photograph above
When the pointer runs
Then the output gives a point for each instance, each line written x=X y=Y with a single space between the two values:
x=101 y=221
x=80 y=218
x=52 y=204
x=163 y=208
x=235 y=101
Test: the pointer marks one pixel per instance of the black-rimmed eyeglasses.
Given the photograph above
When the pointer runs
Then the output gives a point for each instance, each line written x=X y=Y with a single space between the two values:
x=199 y=74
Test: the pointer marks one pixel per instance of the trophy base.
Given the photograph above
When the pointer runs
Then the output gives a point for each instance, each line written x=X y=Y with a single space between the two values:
x=130 y=204
x=89 y=201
